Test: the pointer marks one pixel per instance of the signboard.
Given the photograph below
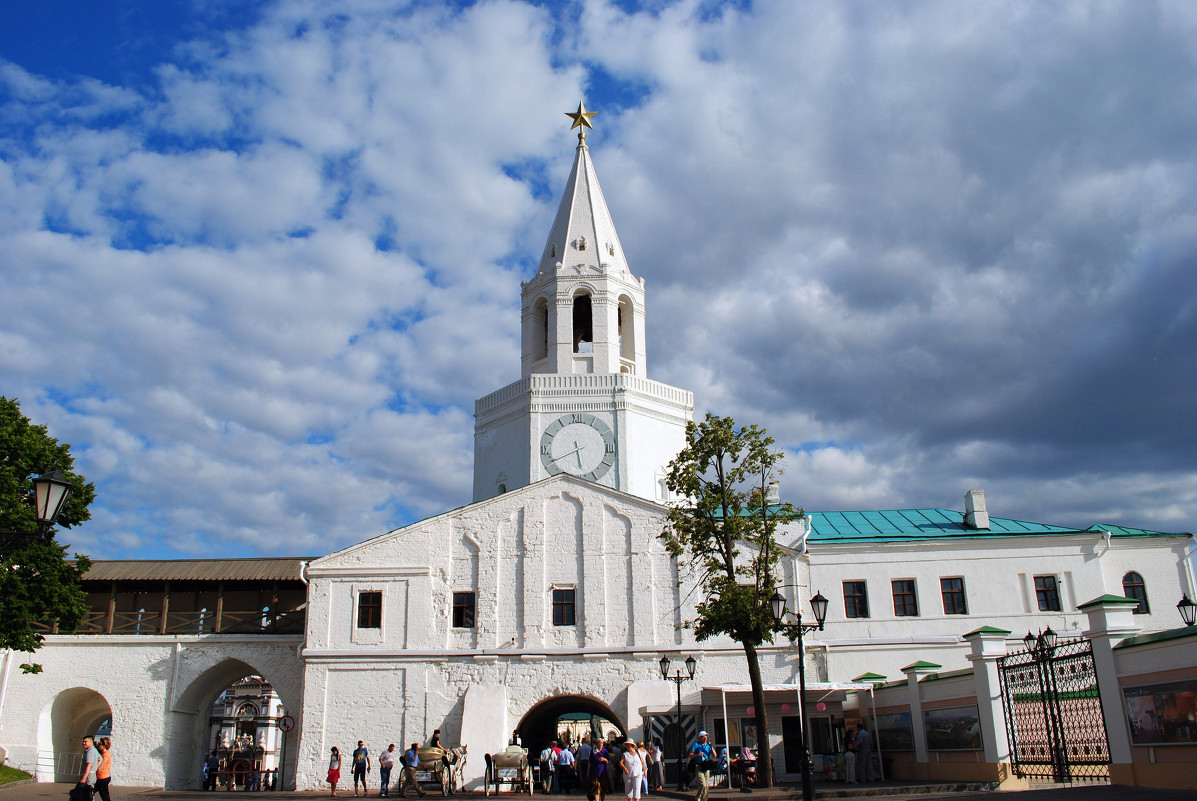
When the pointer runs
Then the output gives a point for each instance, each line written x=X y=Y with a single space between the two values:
x=1161 y=714
x=286 y=723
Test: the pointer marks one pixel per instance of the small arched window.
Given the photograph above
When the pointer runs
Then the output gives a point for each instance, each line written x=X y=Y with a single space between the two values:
x=1133 y=587
x=583 y=324
x=540 y=329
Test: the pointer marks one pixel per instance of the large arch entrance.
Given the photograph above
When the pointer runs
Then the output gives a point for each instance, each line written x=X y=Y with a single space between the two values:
x=568 y=718
x=73 y=714
x=242 y=739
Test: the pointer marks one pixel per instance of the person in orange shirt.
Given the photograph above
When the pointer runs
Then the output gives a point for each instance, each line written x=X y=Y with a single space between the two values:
x=104 y=770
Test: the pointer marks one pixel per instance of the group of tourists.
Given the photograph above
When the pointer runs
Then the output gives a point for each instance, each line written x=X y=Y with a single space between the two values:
x=95 y=770
x=360 y=764
x=602 y=767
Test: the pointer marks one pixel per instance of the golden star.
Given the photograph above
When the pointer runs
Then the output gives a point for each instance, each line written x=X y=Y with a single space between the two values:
x=581 y=118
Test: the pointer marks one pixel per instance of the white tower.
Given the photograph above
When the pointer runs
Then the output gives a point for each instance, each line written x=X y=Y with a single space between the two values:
x=584 y=404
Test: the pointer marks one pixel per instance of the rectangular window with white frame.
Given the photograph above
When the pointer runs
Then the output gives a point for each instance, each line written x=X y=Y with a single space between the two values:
x=856 y=599
x=954 y=601
x=369 y=609
x=906 y=601
x=563 y=606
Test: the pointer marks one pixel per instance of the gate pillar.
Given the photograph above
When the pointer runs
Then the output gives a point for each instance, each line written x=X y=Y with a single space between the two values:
x=1111 y=621
x=915 y=699
x=988 y=646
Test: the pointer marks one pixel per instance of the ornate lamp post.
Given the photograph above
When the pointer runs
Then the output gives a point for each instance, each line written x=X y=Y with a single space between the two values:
x=1187 y=609
x=50 y=492
x=677 y=678
x=1042 y=648
x=818 y=605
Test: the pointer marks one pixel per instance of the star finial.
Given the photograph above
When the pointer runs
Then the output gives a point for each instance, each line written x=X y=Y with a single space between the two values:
x=581 y=119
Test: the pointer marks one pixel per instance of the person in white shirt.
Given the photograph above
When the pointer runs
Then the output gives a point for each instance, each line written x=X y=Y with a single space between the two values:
x=633 y=770
x=386 y=761
x=643 y=754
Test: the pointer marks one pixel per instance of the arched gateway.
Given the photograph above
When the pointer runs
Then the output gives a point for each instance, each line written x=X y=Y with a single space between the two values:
x=567 y=718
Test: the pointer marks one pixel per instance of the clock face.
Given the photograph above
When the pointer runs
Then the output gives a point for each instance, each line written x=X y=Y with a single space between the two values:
x=578 y=444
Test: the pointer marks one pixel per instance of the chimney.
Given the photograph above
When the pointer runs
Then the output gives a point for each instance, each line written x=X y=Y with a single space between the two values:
x=773 y=494
x=975 y=514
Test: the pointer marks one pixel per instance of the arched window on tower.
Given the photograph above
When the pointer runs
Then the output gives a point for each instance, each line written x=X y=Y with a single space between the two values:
x=627 y=328
x=583 y=324
x=1133 y=587
x=540 y=329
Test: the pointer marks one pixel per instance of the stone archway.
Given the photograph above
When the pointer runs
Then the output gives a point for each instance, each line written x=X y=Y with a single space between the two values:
x=188 y=725
x=69 y=717
x=541 y=724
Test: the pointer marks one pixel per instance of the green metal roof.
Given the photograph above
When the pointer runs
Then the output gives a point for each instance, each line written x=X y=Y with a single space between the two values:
x=924 y=524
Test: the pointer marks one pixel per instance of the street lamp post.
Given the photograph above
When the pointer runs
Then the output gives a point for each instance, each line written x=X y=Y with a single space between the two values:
x=1042 y=649
x=677 y=678
x=51 y=491
x=818 y=605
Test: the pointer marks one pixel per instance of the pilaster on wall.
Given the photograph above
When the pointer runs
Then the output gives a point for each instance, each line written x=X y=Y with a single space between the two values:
x=1110 y=621
x=484 y=727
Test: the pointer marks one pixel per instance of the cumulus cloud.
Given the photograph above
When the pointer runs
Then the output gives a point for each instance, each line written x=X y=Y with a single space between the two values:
x=259 y=283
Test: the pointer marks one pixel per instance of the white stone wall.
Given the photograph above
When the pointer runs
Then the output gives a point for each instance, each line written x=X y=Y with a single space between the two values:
x=157 y=689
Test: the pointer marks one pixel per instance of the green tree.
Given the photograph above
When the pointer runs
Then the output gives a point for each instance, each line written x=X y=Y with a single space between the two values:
x=39 y=588
x=725 y=530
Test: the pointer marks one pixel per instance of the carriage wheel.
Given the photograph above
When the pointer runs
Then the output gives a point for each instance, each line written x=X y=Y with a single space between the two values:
x=528 y=780
x=445 y=778
x=486 y=779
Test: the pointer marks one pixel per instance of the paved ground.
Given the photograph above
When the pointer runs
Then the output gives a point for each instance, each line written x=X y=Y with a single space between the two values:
x=887 y=791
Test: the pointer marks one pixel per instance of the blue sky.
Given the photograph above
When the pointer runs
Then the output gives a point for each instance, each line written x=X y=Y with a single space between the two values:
x=260 y=258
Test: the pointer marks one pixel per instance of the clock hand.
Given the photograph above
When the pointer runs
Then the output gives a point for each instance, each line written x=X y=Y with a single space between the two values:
x=570 y=453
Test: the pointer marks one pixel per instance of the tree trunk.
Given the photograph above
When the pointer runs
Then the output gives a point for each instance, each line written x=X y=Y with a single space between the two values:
x=764 y=764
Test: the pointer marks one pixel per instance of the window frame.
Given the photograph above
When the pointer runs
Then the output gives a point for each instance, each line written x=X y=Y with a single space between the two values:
x=1046 y=602
x=856 y=605
x=1144 y=607
x=468 y=617
x=369 y=616
x=956 y=593
x=564 y=608
x=909 y=596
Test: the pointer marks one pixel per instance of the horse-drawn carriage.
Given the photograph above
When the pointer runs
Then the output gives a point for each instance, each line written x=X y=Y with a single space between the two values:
x=440 y=768
x=509 y=767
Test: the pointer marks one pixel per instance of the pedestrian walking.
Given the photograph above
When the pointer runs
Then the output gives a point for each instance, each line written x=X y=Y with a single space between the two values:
x=411 y=761
x=86 y=787
x=361 y=766
x=104 y=769
x=704 y=755
x=334 y=770
x=633 y=770
x=386 y=761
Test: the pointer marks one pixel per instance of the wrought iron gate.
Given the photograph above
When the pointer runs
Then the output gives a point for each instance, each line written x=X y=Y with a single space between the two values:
x=1054 y=718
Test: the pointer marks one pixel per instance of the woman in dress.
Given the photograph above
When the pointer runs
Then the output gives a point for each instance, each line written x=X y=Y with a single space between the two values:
x=104 y=770
x=334 y=770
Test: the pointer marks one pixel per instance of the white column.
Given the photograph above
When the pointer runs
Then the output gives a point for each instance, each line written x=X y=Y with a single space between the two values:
x=988 y=646
x=914 y=696
x=1111 y=620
